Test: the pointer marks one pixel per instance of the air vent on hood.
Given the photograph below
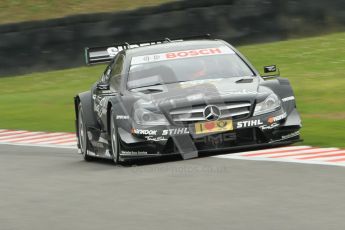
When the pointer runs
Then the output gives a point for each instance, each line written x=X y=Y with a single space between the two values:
x=150 y=91
x=245 y=80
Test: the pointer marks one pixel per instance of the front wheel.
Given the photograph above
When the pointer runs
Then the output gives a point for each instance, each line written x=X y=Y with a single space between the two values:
x=115 y=145
x=82 y=135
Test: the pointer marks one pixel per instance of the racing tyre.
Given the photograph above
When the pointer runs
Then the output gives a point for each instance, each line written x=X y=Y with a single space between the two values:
x=82 y=135
x=114 y=139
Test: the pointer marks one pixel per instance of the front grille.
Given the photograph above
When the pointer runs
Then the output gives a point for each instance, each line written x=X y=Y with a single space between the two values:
x=196 y=113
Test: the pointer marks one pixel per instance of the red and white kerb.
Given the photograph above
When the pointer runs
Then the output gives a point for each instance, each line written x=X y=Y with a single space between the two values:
x=181 y=54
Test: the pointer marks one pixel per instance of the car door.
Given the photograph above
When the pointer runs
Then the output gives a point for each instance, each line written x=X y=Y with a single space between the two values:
x=107 y=87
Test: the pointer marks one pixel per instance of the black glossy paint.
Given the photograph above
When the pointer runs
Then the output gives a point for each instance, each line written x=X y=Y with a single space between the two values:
x=98 y=101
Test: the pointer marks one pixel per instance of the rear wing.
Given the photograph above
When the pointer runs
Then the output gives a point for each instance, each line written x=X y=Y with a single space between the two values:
x=104 y=54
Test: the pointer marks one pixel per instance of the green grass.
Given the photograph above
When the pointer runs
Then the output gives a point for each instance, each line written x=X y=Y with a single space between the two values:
x=315 y=67
x=28 y=10
x=316 y=70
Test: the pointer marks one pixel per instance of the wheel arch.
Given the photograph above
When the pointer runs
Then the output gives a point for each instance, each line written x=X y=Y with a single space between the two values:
x=85 y=100
x=280 y=86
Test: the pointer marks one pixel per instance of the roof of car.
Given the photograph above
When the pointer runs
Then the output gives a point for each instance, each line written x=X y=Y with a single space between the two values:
x=174 y=46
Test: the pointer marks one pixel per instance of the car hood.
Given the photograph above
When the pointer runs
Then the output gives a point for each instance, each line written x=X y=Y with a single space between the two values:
x=213 y=91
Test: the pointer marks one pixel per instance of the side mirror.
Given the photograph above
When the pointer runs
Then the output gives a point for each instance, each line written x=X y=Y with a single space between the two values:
x=103 y=86
x=271 y=69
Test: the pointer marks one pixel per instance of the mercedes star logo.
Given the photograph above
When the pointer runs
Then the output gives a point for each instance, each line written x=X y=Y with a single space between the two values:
x=212 y=113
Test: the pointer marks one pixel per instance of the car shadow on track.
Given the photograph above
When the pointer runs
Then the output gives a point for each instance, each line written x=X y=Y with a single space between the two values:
x=173 y=158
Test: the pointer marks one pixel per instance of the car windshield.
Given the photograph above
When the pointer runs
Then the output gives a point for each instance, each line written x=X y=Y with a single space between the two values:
x=189 y=65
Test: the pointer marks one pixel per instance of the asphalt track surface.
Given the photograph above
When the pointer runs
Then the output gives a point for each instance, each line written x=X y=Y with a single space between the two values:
x=51 y=188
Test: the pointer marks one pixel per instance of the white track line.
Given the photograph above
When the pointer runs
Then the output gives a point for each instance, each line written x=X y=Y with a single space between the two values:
x=236 y=157
x=29 y=137
x=16 y=134
x=45 y=146
x=34 y=137
x=325 y=156
x=282 y=155
x=273 y=150
x=307 y=152
x=55 y=139
x=48 y=139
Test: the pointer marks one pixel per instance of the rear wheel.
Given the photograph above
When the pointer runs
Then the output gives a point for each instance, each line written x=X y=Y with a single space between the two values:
x=82 y=135
x=115 y=145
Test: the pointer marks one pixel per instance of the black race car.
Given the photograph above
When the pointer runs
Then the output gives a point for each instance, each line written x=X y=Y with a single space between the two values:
x=181 y=96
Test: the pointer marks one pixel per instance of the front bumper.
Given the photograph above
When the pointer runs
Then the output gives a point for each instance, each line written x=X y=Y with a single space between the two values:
x=273 y=129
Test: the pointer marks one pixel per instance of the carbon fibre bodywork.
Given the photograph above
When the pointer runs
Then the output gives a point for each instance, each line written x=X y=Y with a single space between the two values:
x=183 y=104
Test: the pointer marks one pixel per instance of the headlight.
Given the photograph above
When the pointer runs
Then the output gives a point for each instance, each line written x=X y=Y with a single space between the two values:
x=146 y=117
x=270 y=104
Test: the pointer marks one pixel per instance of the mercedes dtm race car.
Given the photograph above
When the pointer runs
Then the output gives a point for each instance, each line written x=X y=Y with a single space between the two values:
x=181 y=96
